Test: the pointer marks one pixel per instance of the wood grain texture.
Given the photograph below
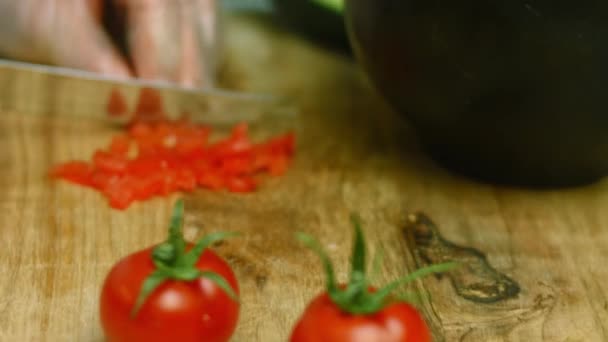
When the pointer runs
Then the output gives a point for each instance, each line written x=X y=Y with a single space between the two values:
x=58 y=241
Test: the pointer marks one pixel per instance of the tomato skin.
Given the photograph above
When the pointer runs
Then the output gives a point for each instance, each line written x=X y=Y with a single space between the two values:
x=175 y=311
x=323 y=321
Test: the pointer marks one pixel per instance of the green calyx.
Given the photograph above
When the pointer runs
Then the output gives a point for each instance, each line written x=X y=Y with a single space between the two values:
x=356 y=298
x=174 y=262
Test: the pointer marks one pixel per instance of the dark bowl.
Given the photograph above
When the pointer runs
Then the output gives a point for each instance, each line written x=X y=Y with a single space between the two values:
x=512 y=92
x=315 y=21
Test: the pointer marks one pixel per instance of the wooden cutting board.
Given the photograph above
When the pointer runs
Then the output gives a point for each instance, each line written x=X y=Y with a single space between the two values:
x=543 y=278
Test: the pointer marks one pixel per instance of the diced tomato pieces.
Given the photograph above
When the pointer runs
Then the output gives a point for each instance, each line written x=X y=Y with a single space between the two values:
x=120 y=145
x=117 y=105
x=240 y=131
x=210 y=181
x=169 y=184
x=278 y=166
x=157 y=157
x=239 y=142
x=100 y=180
x=186 y=180
x=190 y=146
x=120 y=194
x=108 y=162
x=140 y=130
x=76 y=172
x=149 y=106
x=241 y=184
x=143 y=166
x=237 y=165
x=281 y=145
x=147 y=186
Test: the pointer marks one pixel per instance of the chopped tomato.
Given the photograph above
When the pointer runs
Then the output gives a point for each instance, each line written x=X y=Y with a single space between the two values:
x=101 y=180
x=186 y=180
x=157 y=157
x=75 y=171
x=140 y=129
x=210 y=181
x=120 y=145
x=148 y=186
x=111 y=163
x=120 y=198
x=117 y=105
x=241 y=184
x=149 y=106
x=278 y=166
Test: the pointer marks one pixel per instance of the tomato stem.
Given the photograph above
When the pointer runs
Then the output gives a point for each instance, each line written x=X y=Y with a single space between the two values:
x=164 y=253
x=173 y=262
x=315 y=246
x=356 y=297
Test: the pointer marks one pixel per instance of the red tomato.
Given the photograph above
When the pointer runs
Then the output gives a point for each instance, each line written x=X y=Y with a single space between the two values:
x=324 y=321
x=357 y=311
x=176 y=311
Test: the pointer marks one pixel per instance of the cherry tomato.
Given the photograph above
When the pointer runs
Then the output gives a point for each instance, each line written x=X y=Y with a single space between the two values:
x=175 y=311
x=324 y=321
x=357 y=311
x=175 y=291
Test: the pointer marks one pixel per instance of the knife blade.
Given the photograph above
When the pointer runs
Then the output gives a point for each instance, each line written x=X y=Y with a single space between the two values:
x=85 y=95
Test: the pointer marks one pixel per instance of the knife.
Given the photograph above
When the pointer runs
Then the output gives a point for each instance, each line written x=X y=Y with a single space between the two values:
x=85 y=95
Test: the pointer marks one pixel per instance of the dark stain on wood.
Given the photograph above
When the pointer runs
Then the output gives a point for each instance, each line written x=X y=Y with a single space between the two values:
x=475 y=280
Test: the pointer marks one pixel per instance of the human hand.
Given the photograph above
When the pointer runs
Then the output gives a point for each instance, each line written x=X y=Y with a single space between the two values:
x=166 y=40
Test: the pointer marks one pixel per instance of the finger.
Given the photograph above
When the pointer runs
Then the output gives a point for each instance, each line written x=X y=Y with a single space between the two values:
x=154 y=38
x=79 y=41
x=209 y=17
x=166 y=41
x=96 y=8
x=83 y=44
x=61 y=32
x=191 y=65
